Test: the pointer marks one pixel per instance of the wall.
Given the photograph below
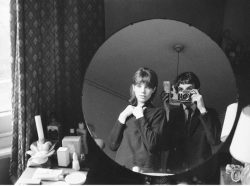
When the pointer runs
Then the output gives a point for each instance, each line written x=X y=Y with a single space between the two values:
x=237 y=19
x=206 y=15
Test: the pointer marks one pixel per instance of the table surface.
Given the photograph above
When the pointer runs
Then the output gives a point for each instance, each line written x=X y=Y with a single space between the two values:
x=26 y=177
x=225 y=179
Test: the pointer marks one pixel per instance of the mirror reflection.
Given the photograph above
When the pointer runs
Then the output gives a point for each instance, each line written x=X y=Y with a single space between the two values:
x=185 y=72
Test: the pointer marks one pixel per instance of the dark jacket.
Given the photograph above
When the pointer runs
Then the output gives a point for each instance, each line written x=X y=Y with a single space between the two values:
x=138 y=141
x=193 y=143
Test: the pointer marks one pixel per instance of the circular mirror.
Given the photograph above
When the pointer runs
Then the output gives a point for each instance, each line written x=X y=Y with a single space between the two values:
x=154 y=44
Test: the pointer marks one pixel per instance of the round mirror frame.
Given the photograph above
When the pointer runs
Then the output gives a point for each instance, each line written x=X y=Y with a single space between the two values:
x=137 y=178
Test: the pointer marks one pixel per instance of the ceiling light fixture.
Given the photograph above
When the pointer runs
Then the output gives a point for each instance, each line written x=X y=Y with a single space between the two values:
x=178 y=48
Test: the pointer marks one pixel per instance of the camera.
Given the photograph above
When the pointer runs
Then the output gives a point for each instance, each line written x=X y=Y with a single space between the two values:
x=185 y=96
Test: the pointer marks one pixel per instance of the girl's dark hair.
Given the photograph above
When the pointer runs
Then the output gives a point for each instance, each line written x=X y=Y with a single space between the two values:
x=147 y=76
x=187 y=78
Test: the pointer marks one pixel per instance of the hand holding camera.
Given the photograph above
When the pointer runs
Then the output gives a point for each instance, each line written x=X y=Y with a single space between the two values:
x=166 y=93
x=169 y=94
x=197 y=97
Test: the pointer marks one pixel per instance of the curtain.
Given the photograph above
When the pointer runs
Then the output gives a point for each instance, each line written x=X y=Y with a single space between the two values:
x=52 y=43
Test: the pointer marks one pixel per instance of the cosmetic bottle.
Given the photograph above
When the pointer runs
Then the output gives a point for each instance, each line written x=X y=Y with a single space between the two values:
x=81 y=131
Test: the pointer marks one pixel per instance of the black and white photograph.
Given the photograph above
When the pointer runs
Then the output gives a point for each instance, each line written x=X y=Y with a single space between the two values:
x=124 y=92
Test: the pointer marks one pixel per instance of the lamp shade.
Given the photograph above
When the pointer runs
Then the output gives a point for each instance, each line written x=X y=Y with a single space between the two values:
x=240 y=146
x=228 y=121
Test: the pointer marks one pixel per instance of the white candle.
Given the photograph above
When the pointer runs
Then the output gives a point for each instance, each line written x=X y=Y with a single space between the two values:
x=39 y=128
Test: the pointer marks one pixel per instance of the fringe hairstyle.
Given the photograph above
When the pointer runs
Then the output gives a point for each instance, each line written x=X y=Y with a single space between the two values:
x=147 y=76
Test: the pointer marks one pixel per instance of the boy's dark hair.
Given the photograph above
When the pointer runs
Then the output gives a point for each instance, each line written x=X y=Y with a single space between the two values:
x=147 y=76
x=187 y=78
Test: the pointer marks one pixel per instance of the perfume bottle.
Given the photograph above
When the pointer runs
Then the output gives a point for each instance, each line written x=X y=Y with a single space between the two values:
x=75 y=162
x=81 y=131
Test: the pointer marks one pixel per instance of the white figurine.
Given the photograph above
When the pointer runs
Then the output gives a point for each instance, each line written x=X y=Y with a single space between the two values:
x=40 y=153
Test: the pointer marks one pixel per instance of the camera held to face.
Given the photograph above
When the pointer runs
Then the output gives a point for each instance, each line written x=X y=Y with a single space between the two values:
x=185 y=96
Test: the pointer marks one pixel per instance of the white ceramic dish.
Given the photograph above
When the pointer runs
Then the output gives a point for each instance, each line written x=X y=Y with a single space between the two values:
x=76 y=178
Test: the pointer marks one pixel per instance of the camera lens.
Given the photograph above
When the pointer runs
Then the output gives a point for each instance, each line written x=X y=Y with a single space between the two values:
x=185 y=96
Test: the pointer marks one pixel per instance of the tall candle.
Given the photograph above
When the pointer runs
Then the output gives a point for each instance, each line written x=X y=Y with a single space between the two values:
x=39 y=128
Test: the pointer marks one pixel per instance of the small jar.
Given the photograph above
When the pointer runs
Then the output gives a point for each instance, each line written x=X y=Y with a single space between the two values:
x=54 y=129
x=72 y=132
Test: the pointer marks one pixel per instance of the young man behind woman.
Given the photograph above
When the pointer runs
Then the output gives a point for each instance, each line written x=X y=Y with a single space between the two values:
x=193 y=131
